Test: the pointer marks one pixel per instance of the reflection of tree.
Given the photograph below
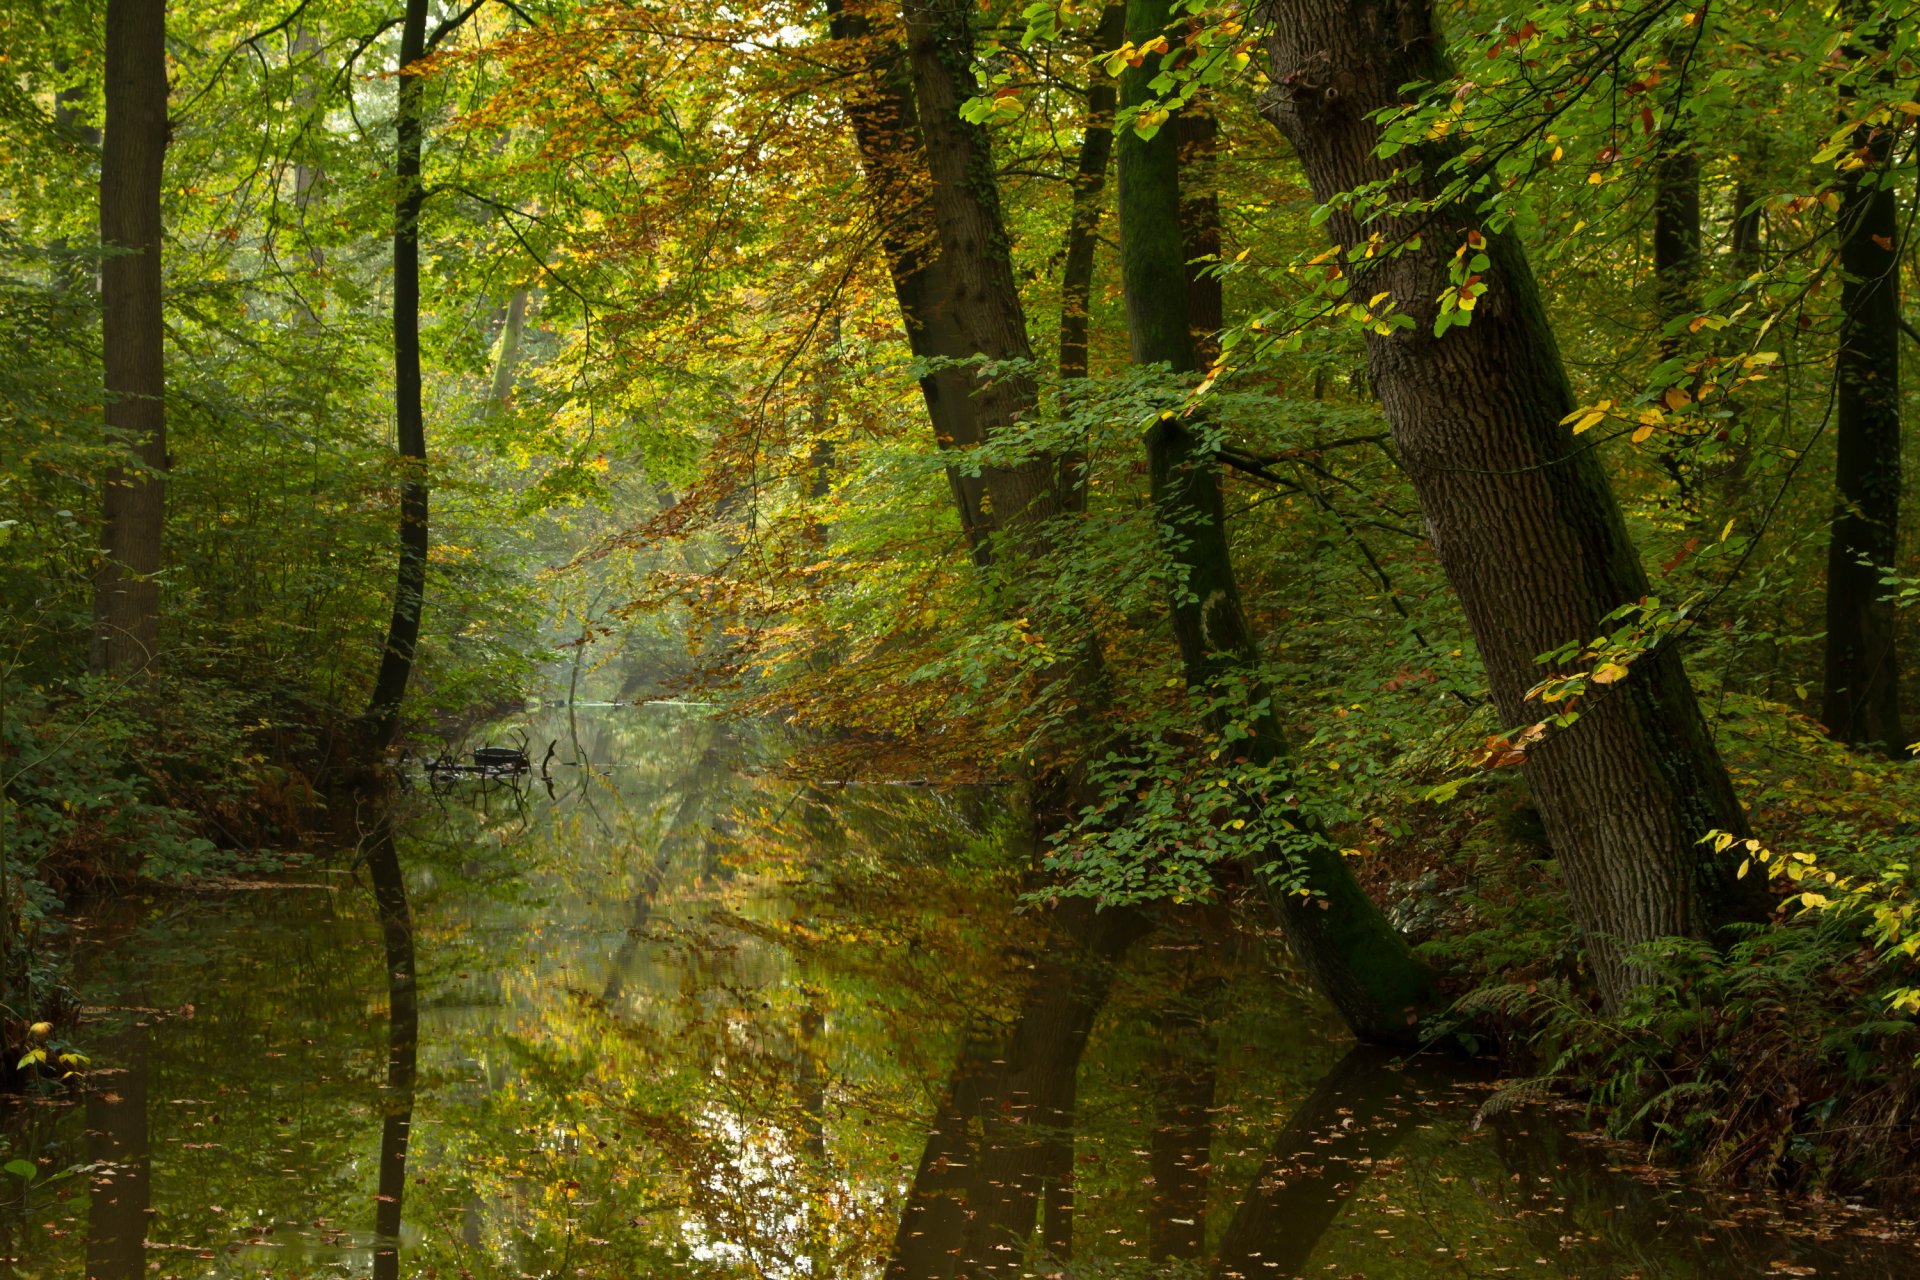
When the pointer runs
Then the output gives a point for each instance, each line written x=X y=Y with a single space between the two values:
x=1008 y=1112
x=1354 y=1118
x=119 y=1151
x=403 y=1045
x=1181 y=1149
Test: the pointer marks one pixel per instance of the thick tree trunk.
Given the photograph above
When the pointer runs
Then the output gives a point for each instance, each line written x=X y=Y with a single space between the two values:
x=126 y=601
x=1861 y=702
x=1357 y=959
x=931 y=180
x=978 y=259
x=409 y=596
x=1523 y=517
x=886 y=129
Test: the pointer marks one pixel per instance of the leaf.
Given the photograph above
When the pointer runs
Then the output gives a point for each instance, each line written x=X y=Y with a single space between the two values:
x=1608 y=672
x=25 y=1170
x=1642 y=432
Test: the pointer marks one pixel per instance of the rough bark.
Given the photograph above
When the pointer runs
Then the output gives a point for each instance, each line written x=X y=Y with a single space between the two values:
x=1522 y=516
x=1861 y=695
x=1357 y=959
x=126 y=602
x=409 y=596
x=886 y=129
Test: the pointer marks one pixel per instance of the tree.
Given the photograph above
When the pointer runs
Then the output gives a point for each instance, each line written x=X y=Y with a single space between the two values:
x=1522 y=517
x=410 y=582
x=1861 y=695
x=126 y=602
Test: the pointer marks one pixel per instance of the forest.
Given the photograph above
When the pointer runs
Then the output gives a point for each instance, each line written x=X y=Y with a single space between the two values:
x=943 y=639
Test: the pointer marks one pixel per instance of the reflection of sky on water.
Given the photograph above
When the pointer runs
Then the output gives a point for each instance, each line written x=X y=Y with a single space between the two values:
x=685 y=1017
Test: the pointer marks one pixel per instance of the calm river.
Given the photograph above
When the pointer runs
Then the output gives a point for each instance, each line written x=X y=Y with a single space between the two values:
x=685 y=1017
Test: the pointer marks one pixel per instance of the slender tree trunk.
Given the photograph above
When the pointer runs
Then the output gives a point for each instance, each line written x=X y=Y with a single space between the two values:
x=501 y=394
x=1861 y=702
x=1676 y=264
x=1089 y=189
x=1522 y=517
x=1357 y=959
x=126 y=602
x=1083 y=238
x=409 y=596
x=306 y=177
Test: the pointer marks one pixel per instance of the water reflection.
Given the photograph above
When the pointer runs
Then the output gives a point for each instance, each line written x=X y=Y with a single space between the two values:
x=118 y=1154
x=1004 y=1133
x=403 y=1044
x=688 y=1017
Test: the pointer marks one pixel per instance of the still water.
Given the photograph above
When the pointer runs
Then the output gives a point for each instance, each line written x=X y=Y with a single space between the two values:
x=682 y=1016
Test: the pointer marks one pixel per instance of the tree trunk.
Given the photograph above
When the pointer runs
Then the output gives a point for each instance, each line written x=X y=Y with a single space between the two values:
x=409 y=596
x=1676 y=266
x=1357 y=959
x=501 y=394
x=1089 y=187
x=1523 y=519
x=886 y=129
x=930 y=177
x=126 y=601
x=1861 y=702
x=306 y=177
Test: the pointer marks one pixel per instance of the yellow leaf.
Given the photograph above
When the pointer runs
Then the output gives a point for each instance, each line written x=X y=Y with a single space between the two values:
x=1727 y=529
x=1642 y=432
x=1607 y=673
x=1676 y=398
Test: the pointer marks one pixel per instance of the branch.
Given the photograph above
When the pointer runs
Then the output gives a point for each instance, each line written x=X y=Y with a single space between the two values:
x=450 y=26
